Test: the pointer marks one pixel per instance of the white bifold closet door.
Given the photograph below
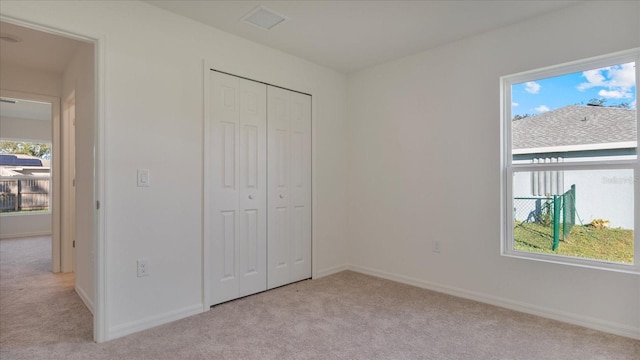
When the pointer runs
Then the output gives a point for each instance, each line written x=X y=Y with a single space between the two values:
x=257 y=216
x=289 y=186
x=236 y=187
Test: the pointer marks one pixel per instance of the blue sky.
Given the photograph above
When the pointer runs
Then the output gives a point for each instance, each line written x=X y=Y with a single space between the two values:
x=615 y=84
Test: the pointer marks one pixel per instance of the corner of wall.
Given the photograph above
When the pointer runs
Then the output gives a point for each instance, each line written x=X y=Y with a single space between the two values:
x=153 y=321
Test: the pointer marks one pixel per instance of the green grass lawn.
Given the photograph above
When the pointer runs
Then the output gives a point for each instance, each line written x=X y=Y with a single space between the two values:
x=586 y=242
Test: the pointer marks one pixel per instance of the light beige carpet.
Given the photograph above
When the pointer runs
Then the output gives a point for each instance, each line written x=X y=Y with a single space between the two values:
x=343 y=316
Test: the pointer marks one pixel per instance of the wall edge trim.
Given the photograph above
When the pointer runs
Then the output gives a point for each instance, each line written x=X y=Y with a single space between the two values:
x=153 y=321
x=85 y=299
x=26 y=234
x=330 y=271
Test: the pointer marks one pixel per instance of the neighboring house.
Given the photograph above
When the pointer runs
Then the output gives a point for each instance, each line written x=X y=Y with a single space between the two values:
x=23 y=165
x=24 y=183
x=578 y=133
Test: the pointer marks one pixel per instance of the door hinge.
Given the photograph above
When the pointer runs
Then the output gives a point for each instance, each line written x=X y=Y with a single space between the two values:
x=74 y=243
x=98 y=205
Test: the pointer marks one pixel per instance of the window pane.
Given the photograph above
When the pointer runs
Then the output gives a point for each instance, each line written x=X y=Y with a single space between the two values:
x=582 y=116
x=24 y=176
x=578 y=213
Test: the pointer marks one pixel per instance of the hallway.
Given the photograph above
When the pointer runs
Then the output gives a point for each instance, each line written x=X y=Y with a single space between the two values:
x=37 y=306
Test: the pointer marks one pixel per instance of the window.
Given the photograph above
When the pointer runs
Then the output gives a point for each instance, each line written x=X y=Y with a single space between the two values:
x=25 y=179
x=570 y=164
x=25 y=156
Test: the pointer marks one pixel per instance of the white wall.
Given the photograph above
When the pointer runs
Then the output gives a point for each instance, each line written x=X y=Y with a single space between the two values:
x=424 y=164
x=153 y=119
x=78 y=78
x=25 y=129
x=608 y=194
x=15 y=226
x=21 y=79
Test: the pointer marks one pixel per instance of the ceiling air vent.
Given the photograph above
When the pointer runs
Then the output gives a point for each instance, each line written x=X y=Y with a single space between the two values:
x=263 y=18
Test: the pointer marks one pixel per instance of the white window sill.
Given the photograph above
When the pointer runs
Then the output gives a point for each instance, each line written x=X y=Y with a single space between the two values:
x=574 y=261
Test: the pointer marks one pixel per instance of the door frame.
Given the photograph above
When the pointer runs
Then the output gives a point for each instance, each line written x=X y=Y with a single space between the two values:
x=67 y=229
x=100 y=324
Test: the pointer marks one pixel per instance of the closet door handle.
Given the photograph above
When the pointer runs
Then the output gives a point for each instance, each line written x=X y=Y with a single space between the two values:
x=250 y=197
x=281 y=196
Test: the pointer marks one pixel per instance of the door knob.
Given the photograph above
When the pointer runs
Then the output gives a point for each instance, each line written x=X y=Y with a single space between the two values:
x=250 y=197
x=281 y=196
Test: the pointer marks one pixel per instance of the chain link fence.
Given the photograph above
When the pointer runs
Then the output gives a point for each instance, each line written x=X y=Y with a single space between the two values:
x=550 y=217
x=533 y=222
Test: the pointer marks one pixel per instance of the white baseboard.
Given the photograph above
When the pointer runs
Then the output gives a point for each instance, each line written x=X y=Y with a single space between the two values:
x=153 y=321
x=330 y=271
x=571 y=318
x=23 y=235
x=85 y=298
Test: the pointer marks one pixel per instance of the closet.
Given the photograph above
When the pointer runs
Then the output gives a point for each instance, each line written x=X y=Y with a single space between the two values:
x=257 y=216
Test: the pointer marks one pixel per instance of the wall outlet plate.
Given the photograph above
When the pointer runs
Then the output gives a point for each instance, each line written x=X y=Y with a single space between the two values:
x=143 y=267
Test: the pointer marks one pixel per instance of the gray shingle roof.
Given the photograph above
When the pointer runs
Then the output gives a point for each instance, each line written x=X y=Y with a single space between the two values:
x=575 y=125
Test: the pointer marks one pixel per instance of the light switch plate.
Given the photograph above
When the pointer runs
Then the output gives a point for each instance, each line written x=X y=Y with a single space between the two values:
x=144 y=178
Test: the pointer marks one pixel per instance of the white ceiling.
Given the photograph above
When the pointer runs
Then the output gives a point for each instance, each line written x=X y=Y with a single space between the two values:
x=352 y=35
x=37 y=50
x=25 y=109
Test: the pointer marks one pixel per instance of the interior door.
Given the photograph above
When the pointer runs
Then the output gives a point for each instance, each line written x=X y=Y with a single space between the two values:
x=235 y=216
x=289 y=183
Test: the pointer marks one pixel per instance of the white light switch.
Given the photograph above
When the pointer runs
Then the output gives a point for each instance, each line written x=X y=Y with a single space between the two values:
x=144 y=178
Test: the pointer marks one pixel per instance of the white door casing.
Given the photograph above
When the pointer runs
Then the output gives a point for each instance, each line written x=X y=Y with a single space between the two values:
x=68 y=230
x=236 y=188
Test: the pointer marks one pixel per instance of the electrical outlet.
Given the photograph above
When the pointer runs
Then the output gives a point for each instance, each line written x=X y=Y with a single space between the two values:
x=143 y=267
x=436 y=246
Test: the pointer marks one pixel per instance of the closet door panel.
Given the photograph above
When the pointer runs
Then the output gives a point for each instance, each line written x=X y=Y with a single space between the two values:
x=289 y=171
x=279 y=158
x=253 y=187
x=301 y=187
x=222 y=215
x=235 y=187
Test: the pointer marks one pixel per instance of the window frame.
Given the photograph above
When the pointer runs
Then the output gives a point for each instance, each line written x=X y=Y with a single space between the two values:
x=508 y=168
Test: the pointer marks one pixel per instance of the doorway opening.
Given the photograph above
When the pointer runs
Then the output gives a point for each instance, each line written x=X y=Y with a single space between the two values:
x=50 y=66
x=29 y=173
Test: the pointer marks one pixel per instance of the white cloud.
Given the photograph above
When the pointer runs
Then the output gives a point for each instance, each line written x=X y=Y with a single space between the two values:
x=513 y=103
x=614 y=94
x=619 y=80
x=594 y=78
x=623 y=76
x=532 y=87
x=633 y=104
x=542 y=108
